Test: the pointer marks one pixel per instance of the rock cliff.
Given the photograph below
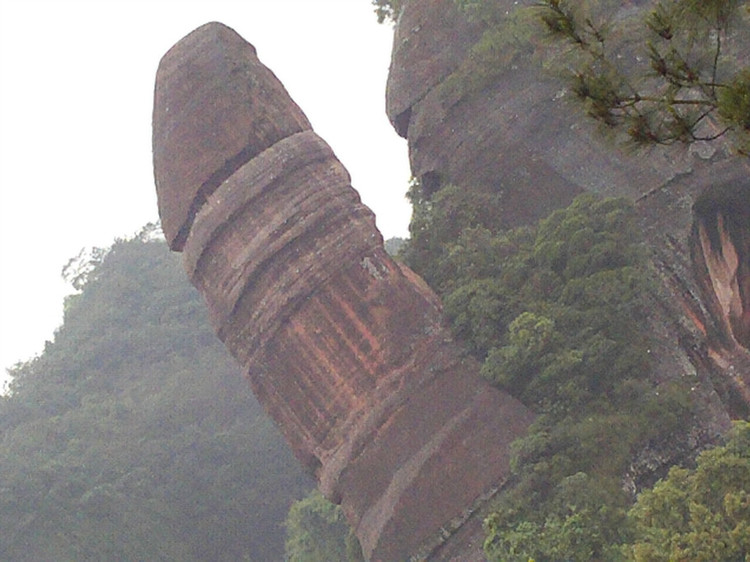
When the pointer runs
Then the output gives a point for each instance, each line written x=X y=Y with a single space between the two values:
x=520 y=133
x=346 y=348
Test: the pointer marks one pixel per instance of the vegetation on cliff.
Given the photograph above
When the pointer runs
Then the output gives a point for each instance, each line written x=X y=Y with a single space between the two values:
x=134 y=436
x=688 y=85
x=387 y=10
x=556 y=313
x=701 y=513
x=318 y=532
x=675 y=73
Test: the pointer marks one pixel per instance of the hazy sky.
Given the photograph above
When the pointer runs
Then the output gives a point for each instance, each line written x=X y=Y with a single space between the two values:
x=76 y=92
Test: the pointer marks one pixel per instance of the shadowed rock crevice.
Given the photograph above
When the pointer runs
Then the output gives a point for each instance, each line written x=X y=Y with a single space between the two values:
x=201 y=197
x=346 y=349
x=401 y=122
x=722 y=244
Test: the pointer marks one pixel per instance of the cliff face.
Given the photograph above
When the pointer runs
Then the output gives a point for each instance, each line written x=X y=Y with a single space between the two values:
x=346 y=349
x=522 y=135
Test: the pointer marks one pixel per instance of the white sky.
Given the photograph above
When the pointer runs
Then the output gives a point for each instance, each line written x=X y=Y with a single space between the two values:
x=76 y=92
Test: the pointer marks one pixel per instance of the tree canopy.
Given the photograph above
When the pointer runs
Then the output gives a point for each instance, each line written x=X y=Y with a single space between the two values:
x=555 y=312
x=133 y=436
x=387 y=10
x=700 y=514
x=318 y=532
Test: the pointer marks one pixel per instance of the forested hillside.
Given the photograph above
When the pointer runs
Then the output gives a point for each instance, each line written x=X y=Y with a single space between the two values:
x=133 y=436
x=556 y=313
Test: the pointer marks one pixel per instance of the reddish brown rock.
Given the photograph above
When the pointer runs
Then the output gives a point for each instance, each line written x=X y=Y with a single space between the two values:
x=722 y=244
x=216 y=107
x=346 y=348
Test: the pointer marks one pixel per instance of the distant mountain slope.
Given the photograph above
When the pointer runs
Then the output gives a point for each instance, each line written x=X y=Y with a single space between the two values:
x=134 y=437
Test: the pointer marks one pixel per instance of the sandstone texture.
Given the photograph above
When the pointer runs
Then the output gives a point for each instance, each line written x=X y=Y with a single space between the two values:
x=521 y=133
x=346 y=348
x=222 y=108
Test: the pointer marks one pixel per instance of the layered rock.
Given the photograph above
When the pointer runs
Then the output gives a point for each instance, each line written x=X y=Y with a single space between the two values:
x=519 y=133
x=346 y=348
x=221 y=109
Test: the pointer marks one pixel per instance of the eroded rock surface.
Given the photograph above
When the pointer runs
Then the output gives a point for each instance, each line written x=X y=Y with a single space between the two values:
x=222 y=108
x=346 y=348
x=520 y=133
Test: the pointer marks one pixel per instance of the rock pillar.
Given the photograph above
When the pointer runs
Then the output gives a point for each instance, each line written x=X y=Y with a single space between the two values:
x=346 y=348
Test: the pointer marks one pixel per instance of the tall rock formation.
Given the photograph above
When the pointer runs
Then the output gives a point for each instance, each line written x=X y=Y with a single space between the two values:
x=346 y=348
x=518 y=131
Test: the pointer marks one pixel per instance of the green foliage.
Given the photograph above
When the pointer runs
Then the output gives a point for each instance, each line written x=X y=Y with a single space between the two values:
x=701 y=514
x=133 y=436
x=555 y=313
x=439 y=221
x=478 y=311
x=734 y=107
x=394 y=245
x=317 y=532
x=387 y=10
x=583 y=522
x=676 y=73
x=689 y=84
